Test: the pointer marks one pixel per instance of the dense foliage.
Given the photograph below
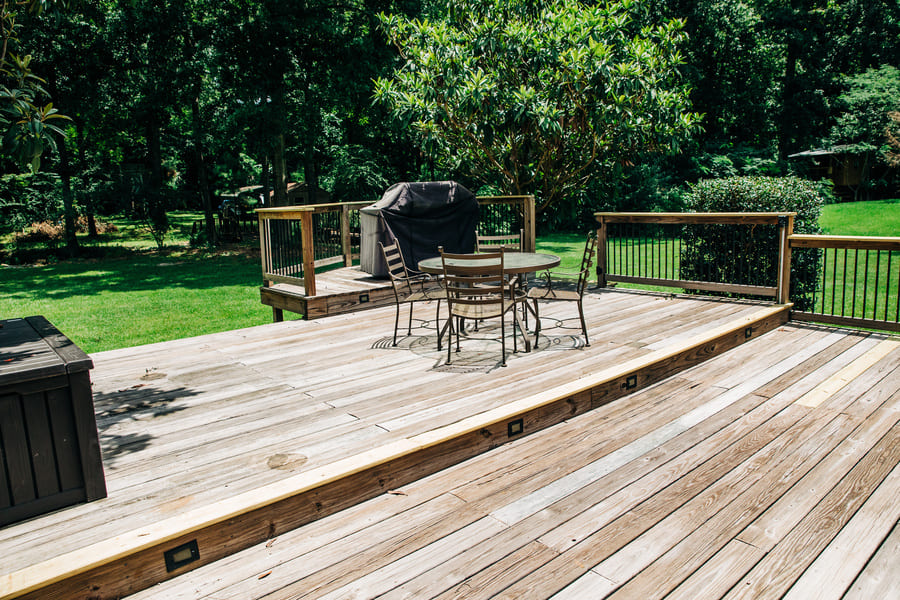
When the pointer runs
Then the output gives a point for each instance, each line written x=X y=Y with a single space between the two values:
x=27 y=126
x=732 y=253
x=538 y=97
x=174 y=103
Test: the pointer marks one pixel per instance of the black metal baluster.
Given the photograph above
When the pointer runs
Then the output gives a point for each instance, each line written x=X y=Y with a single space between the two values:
x=833 y=279
x=865 y=285
x=877 y=277
x=844 y=284
x=887 y=288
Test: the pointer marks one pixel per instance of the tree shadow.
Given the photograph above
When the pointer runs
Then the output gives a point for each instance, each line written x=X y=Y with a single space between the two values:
x=132 y=274
x=141 y=402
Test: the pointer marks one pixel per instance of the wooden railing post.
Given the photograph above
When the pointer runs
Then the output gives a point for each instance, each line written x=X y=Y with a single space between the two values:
x=309 y=253
x=785 y=231
x=265 y=247
x=345 y=236
x=530 y=229
x=601 y=253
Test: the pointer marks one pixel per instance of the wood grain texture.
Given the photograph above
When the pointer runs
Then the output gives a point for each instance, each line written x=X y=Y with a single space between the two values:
x=655 y=495
x=699 y=456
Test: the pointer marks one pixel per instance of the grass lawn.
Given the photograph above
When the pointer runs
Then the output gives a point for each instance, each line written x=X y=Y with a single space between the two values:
x=142 y=298
x=138 y=295
x=876 y=217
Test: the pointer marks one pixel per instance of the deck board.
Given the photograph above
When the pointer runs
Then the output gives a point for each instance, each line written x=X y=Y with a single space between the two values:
x=716 y=482
x=186 y=421
x=669 y=481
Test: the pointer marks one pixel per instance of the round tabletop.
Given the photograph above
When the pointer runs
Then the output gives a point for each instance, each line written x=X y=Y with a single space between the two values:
x=513 y=262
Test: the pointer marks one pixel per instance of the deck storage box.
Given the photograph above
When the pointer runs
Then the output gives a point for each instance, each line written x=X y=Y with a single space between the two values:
x=49 y=448
x=421 y=216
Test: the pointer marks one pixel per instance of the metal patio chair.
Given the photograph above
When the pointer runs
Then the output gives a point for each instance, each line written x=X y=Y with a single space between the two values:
x=511 y=242
x=550 y=293
x=410 y=287
x=477 y=289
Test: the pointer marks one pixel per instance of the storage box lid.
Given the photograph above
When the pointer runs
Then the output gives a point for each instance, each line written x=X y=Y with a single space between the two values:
x=32 y=348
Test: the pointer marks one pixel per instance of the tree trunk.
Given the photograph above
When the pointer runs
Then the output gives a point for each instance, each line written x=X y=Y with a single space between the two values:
x=154 y=154
x=310 y=174
x=82 y=166
x=279 y=169
x=266 y=186
x=68 y=203
x=65 y=174
x=787 y=125
x=202 y=177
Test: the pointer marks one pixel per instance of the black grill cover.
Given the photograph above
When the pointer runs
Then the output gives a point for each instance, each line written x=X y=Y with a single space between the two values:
x=421 y=216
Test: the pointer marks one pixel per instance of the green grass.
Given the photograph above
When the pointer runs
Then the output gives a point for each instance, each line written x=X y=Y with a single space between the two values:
x=137 y=295
x=143 y=298
x=877 y=217
x=567 y=246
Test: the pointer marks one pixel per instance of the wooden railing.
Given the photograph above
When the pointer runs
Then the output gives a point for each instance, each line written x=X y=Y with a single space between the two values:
x=501 y=215
x=858 y=281
x=744 y=254
x=296 y=240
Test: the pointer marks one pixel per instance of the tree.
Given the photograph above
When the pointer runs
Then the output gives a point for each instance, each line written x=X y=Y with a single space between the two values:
x=536 y=97
x=26 y=125
x=865 y=108
x=863 y=126
x=892 y=133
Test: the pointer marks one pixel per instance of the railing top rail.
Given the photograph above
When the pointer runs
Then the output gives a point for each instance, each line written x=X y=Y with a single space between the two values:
x=504 y=198
x=288 y=212
x=738 y=218
x=845 y=241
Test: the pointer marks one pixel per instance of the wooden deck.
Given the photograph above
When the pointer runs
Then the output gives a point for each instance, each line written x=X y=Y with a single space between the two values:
x=768 y=472
x=772 y=463
x=338 y=291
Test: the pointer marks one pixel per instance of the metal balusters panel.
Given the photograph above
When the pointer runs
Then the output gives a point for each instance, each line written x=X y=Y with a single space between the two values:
x=501 y=218
x=857 y=284
x=327 y=234
x=286 y=248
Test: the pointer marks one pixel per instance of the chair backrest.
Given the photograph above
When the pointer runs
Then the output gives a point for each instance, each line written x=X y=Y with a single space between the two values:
x=396 y=266
x=511 y=242
x=584 y=274
x=475 y=279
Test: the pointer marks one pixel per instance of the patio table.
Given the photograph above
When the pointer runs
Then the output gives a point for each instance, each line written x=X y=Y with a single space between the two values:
x=513 y=262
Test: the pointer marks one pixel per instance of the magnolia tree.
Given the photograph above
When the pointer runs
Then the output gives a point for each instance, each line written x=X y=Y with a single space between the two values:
x=535 y=97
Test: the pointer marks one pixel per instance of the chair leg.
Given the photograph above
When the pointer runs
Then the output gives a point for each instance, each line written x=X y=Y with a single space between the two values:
x=537 y=323
x=522 y=330
x=503 y=340
x=449 y=337
x=397 y=322
x=437 y=323
x=409 y=326
x=587 y=342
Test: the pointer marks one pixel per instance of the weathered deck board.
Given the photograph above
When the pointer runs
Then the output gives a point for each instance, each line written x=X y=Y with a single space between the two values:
x=188 y=422
x=718 y=482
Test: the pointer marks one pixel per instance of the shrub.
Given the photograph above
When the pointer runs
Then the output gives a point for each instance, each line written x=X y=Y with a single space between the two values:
x=26 y=199
x=81 y=225
x=44 y=232
x=712 y=250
